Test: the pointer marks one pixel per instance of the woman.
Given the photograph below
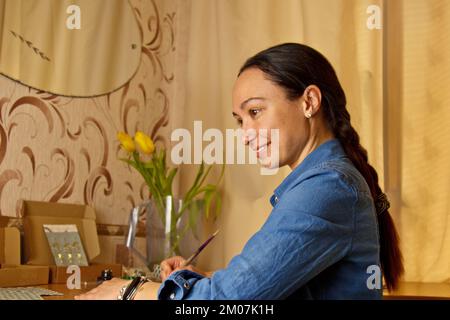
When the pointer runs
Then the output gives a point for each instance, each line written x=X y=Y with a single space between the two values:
x=330 y=228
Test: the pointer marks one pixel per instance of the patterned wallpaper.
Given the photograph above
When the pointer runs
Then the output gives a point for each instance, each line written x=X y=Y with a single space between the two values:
x=63 y=149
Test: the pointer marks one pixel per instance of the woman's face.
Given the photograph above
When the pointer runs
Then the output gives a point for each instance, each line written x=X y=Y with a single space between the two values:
x=258 y=104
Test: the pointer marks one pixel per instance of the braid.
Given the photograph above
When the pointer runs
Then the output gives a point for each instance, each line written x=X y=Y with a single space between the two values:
x=390 y=255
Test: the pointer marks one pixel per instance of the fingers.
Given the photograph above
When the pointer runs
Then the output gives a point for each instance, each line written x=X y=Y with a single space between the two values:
x=166 y=269
x=178 y=261
x=166 y=272
x=176 y=264
x=169 y=265
x=195 y=269
x=175 y=261
x=188 y=267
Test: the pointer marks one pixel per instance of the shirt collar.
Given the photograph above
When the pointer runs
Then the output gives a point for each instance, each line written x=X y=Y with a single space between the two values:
x=328 y=150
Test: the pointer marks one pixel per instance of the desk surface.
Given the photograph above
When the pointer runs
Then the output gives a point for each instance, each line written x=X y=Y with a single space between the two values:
x=68 y=294
x=406 y=290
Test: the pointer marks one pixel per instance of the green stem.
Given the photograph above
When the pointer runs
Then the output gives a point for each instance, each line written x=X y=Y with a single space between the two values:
x=176 y=245
x=149 y=180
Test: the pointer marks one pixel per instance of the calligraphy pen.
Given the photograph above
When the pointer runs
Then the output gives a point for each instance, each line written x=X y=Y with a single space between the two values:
x=196 y=253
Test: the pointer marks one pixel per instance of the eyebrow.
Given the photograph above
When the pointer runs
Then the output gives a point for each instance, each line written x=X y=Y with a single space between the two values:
x=250 y=99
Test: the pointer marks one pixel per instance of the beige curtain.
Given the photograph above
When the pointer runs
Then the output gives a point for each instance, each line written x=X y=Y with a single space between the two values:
x=396 y=80
x=424 y=150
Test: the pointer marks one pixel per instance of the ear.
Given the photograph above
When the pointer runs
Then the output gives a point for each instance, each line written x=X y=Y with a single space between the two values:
x=312 y=98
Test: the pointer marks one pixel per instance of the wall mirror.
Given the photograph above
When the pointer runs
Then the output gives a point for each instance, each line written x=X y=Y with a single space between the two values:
x=80 y=48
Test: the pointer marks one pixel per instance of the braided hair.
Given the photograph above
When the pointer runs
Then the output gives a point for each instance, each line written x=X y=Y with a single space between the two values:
x=294 y=67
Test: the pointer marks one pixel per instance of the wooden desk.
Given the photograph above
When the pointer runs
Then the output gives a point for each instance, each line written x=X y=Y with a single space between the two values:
x=420 y=290
x=67 y=293
x=70 y=294
x=406 y=290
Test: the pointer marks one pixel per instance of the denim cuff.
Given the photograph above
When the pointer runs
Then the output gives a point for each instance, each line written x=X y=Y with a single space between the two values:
x=178 y=285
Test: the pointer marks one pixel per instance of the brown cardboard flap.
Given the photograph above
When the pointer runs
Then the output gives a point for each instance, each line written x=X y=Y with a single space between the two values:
x=18 y=276
x=3 y=221
x=2 y=246
x=53 y=209
x=10 y=246
x=36 y=214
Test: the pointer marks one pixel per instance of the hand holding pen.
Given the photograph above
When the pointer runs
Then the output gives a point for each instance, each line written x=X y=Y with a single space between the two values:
x=174 y=263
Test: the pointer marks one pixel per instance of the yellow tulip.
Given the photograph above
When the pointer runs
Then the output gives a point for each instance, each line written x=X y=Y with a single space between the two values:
x=144 y=142
x=126 y=142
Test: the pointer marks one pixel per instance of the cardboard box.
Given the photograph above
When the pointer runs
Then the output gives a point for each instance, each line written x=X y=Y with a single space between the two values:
x=3 y=221
x=10 y=246
x=37 y=251
x=36 y=213
x=12 y=274
x=19 y=276
x=58 y=274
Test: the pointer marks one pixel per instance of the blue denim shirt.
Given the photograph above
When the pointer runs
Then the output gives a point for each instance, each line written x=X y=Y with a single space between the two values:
x=318 y=242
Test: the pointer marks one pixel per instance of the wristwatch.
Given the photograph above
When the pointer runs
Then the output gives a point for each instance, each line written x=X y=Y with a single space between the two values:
x=129 y=292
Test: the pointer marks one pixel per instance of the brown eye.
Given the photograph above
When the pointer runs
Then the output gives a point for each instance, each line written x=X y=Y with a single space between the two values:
x=239 y=122
x=254 y=112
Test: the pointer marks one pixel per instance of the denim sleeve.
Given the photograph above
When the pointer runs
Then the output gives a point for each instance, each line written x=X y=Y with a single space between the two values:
x=307 y=231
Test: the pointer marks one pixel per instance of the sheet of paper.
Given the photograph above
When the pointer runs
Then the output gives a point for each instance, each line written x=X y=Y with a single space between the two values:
x=28 y=293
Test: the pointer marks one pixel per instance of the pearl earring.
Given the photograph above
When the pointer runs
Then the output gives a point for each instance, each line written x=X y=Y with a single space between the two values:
x=309 y=115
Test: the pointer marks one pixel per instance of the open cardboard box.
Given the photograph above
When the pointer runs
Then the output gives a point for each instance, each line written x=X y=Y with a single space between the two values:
x=37 y=251
x=3 y=221
x=12 y=273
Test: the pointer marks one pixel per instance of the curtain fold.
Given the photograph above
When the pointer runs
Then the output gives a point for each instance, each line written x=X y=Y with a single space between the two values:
x=425 y=153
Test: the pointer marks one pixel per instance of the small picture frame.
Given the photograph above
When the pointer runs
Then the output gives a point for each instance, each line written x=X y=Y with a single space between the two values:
x=65 y=244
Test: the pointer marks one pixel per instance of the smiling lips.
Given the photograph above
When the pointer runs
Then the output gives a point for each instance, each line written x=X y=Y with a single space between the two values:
x=261 y=149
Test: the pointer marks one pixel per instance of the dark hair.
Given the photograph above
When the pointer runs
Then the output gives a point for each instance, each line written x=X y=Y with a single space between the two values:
x=294 y=67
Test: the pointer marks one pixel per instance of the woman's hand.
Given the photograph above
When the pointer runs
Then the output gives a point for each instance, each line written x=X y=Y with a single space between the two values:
x=175 y=263
x=169 y=265
x=108 y=290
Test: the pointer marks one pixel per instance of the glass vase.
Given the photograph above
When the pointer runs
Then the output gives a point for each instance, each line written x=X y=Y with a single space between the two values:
x=170 y=232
